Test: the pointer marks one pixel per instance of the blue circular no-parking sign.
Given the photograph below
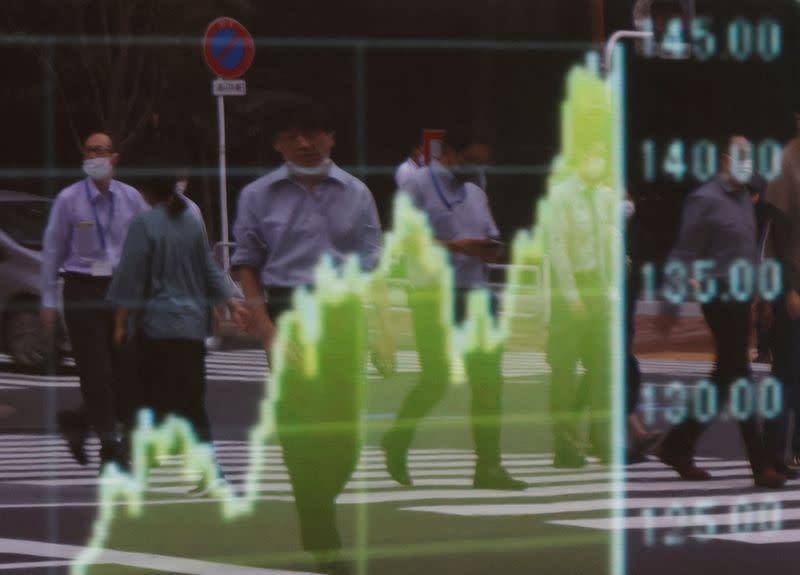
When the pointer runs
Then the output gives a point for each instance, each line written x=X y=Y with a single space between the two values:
x=228 y=48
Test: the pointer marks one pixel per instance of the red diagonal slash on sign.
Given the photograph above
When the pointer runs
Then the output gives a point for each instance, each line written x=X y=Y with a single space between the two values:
x=228 y=48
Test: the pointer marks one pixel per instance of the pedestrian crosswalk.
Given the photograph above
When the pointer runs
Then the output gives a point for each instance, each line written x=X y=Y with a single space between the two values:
x=250 y=366
x=655 y=504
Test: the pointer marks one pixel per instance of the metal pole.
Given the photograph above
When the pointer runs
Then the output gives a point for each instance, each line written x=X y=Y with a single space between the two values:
x=223 y=185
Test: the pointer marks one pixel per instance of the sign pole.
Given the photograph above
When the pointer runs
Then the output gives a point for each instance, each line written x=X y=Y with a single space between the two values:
x=223 y=184
x=228 y=49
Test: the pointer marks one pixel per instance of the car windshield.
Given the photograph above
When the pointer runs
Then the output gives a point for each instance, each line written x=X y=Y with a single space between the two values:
x=25 y=222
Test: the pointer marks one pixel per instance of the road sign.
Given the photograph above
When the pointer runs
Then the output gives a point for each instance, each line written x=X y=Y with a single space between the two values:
x=229 y=87
x=228 y=48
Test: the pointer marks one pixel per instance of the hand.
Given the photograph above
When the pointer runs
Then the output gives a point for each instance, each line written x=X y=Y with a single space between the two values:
x=120 y=335
x=793 y=304
x=48 y=316
x=241 y=315
x=219 y=317
x=694 y=285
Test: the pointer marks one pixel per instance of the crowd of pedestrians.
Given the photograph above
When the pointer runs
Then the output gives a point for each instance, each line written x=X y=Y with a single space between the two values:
x=141 y=291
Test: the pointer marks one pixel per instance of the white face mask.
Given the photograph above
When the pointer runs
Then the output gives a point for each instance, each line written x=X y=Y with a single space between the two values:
x=742 y=171
x=180 y=186
x=98 y=169
x=321 y=169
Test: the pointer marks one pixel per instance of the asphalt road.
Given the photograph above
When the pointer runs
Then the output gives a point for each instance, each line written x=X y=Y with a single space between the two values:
x=563 y=524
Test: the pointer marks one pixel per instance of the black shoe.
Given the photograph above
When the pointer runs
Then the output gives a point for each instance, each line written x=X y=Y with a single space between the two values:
x=396 y=460
x=786 y=471
x=496 y=478
x=111 y=453
x=769 y=479
x=683 y=464
x=74 y=433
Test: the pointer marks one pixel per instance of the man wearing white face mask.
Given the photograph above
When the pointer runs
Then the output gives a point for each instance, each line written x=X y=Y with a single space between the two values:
x=449 y=192
x=286 y=221
x=83 y=240
x=718 y=229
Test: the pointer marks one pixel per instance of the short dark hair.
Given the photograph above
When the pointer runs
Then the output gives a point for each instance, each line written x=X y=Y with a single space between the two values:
x=159 y=171
x=461 y=136
x=296 y=112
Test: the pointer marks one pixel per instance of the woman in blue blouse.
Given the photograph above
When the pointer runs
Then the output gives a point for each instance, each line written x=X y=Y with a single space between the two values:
x=168 y=283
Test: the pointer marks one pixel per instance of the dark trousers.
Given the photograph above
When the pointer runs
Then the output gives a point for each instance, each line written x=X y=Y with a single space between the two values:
x=585 y=338
x=320 y=445
x=633 y=373
x=173 y=381
x=320 y=463
x=730 y=326
x=90 y=322
x=486 y=389
x=786 y=370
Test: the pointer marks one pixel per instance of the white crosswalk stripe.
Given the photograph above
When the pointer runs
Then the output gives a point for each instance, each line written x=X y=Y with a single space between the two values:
x=250 y=366
x=656 y=505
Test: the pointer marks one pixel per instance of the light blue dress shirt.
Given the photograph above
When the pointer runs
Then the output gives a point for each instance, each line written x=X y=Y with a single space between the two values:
x=455 y=211
x=283 y=230
x=72 y=240
x=167 y=275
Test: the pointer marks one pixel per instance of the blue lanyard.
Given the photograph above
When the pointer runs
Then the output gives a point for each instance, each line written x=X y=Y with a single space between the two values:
x=100 y=233
x=439 y=191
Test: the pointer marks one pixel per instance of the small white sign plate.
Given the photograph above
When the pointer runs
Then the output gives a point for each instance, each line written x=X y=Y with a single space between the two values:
x=229 y=87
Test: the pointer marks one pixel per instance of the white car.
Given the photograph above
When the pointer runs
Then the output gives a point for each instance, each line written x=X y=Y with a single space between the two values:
x=23 y=218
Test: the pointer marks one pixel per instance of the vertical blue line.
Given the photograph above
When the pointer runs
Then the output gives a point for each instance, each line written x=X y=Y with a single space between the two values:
x=619 y=389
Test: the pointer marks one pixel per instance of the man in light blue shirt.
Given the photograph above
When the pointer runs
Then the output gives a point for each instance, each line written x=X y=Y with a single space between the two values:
x=287 y=220
x=290 y=217
x=449 y=191
x=83 y=241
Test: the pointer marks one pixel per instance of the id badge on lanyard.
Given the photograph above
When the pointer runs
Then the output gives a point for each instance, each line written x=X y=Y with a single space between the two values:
x=440 y=192
x=102 y=267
